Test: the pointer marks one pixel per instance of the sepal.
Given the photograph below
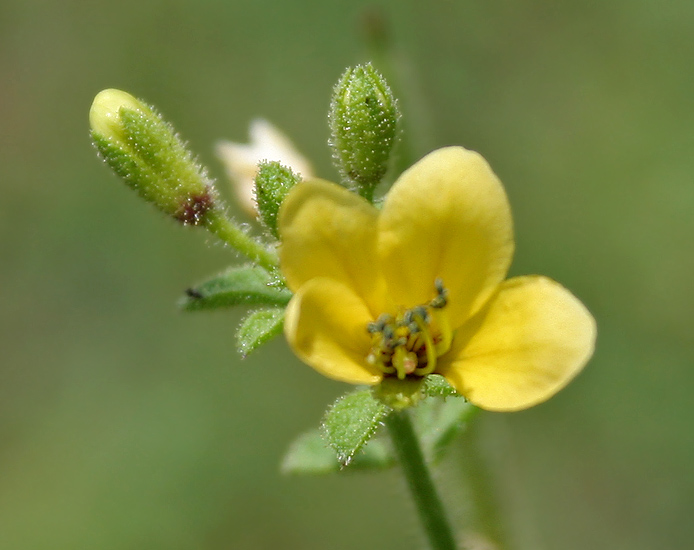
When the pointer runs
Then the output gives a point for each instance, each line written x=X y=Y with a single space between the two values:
x=351 y=421
x=436 y=385
x=438 y=421
x=259 y=328
x=310 y=454
x=272 y=184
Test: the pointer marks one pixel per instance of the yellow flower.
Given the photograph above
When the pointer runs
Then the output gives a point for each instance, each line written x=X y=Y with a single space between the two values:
x=420 y=286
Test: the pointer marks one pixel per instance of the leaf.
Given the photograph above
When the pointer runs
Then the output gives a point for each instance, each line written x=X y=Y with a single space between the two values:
x=247 y=285
x=310 y=454
x=438 y=421
x=351 y=421
x=258 y=328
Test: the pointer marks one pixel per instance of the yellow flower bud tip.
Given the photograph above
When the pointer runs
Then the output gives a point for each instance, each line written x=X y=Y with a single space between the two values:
x=104 y=115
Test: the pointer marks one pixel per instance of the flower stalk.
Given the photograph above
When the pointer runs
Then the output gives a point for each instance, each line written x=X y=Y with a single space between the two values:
x=227 y=231
x=418 y=476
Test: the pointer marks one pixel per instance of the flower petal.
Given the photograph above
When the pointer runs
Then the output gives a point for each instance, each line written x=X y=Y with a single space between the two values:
x=326 y=326
x=448 y=217
x=328 y=231
x=533 y=338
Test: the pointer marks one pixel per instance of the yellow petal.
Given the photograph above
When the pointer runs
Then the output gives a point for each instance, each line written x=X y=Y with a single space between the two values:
x=533 y=338
x=328 y=231
x=326 y=326
x=448 y=217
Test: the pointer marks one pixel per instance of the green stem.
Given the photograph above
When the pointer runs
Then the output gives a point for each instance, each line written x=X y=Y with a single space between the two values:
x=418 y=477
x=219 y=224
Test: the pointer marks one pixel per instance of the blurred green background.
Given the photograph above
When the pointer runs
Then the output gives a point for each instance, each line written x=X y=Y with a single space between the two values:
x=127 y=425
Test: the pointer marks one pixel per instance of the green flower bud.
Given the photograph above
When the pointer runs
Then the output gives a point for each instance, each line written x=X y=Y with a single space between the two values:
x=146 y=153
x=363 y=124
x=272 y=183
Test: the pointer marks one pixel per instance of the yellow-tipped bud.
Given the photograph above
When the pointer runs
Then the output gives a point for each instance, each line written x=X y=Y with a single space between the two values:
x=104 y=116
x=146 y=153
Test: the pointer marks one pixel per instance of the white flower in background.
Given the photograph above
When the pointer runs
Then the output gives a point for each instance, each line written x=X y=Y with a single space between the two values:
x=241 y=160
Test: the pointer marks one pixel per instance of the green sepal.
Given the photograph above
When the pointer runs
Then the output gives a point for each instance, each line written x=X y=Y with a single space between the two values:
x=272 y=185
x=438 y=421
x=310 y=454
x=259 y=328
x=238 y=286
x=399 y=394
x=436 y=385
x=351 y=421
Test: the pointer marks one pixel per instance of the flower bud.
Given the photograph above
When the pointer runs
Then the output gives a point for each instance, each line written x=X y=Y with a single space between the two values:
x=272 y=184
x=146 y=153
x=363 y=124
x=241 y=160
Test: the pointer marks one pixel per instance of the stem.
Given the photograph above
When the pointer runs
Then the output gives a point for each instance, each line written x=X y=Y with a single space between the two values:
x=418 y=477
x=219 y=224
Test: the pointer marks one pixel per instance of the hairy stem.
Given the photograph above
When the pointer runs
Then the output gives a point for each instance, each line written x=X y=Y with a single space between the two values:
x=226 y=230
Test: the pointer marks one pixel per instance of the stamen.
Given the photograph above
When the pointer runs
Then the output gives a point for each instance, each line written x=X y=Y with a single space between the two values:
x=431 y=354
x=442 y=295
x=411 y=342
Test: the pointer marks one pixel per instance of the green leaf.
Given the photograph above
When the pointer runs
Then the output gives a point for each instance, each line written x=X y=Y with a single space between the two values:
x=438 y=421
x=258 y=328
x=310 y=454
x=247 y=285
x=351 y=421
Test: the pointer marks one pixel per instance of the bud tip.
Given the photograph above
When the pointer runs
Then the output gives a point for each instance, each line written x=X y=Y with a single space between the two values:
x=104 y=115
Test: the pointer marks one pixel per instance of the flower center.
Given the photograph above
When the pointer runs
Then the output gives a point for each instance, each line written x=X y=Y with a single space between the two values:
x=410 y=342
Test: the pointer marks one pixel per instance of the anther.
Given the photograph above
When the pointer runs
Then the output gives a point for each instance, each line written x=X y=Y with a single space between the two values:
x=442 y=295
x=379 y=324
x=419 y=312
